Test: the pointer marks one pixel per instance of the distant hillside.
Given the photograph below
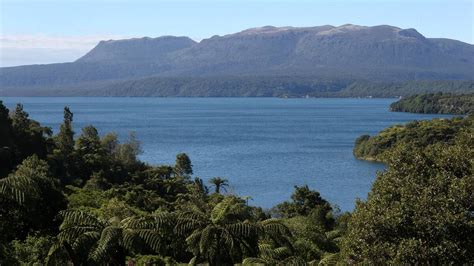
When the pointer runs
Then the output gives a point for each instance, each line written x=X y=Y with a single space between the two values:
x=245 y=86
x=436 y=103
x=349 y=52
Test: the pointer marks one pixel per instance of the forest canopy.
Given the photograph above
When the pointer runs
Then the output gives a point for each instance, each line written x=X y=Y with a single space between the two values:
x=86 y=199
x=436 y=103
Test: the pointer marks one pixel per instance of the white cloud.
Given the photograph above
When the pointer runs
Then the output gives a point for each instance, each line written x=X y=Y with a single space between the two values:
x=43 y=49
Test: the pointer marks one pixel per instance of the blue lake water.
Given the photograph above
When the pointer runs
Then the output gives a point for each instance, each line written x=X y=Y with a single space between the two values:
x=264 y=146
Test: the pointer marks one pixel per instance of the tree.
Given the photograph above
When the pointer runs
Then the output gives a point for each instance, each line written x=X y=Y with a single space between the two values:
x=29 y=137
x=63 y=157
x=183 y=166
x=90 y=152
x=20 y=137
x=219 y=183
x=6 y=141
x=30 y=199
x=274 y=256
x=307 y=202
x=420 y=210
x=225 y=235
x=85 y=238
x=33 y=250
x=65 y=138
x=127 y=153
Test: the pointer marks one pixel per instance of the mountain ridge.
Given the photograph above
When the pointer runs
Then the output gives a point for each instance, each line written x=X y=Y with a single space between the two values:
x=378 y=53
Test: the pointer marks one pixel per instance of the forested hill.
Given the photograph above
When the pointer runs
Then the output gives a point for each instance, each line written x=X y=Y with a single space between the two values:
x=437 y=103
x=348 y=52
x=248 y=86
x=416 y=134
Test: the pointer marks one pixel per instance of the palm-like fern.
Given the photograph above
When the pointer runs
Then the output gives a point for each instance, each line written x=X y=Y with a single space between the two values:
x=274 y=256
x=16 y=187
x=329 y=259
x=219 y=183
x=220 y=237
x=24 y=180
x=83 y=235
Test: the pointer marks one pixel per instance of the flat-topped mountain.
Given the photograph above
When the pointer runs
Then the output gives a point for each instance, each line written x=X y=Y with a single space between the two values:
x=379 y=53
x=136 y=50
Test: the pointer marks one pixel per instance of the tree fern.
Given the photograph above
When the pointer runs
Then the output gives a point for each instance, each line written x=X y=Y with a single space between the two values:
x=107 y=241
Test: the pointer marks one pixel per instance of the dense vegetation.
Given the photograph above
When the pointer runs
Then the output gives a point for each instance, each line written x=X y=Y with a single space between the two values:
x=405 y=89
x=416 y=134
x=246 y=86
x=87 y=200
x=421 y=210
x=436 y=103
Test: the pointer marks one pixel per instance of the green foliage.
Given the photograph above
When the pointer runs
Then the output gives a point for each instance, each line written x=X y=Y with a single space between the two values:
x=20 y=138
x=224 y=234
x=219 y=183
x=415 y=134
x=183 y=166
x=89 y=148
x=36 y=191
x=307 y=202
x=119 y=209
x=436 y=103
x=63 y=157
x=85 y=199
x=405 y=89
x=33 y=250
x=89 y=239
x=127 y=153
x=65 y=138
x=152 y=260
x=274 y=256
x=420 y=209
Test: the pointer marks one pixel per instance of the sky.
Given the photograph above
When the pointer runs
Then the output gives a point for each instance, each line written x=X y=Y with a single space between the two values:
x=49 y=31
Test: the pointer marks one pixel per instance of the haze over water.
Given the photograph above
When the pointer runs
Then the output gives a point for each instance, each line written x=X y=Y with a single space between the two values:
x=264 y=146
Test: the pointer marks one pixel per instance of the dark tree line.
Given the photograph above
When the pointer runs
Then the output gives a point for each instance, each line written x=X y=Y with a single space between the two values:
x=436 y=103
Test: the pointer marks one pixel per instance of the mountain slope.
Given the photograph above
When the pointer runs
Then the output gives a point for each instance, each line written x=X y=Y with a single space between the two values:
x=379 y=53
x=136 y=50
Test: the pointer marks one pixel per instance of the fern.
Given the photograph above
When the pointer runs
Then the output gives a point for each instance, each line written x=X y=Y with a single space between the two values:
x=16 y=187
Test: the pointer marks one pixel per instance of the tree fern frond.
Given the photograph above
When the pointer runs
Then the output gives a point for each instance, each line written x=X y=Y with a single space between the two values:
x=86 y=240
x=78 y=218
x=281 y=252
x=194 y=238
x=206 y=238
x=110 y=236
x=72 y=233
x=294 y=260
x=193 y=261
x=16 y=187
x=329 y=259
x=243 y=229
x=228 y=238
x=254 y=261
x=333 y=234
x=151 y=237
x=274 y=227
x=220 y=210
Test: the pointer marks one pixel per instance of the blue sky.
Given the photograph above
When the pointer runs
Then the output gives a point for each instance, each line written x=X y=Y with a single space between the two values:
x=40 y=31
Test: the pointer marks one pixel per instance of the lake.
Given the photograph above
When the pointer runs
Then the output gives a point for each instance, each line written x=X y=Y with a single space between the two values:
x=263 y=146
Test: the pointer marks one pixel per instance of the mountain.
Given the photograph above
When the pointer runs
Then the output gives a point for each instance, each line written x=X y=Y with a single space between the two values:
x=348 y=52
x=136 y=50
